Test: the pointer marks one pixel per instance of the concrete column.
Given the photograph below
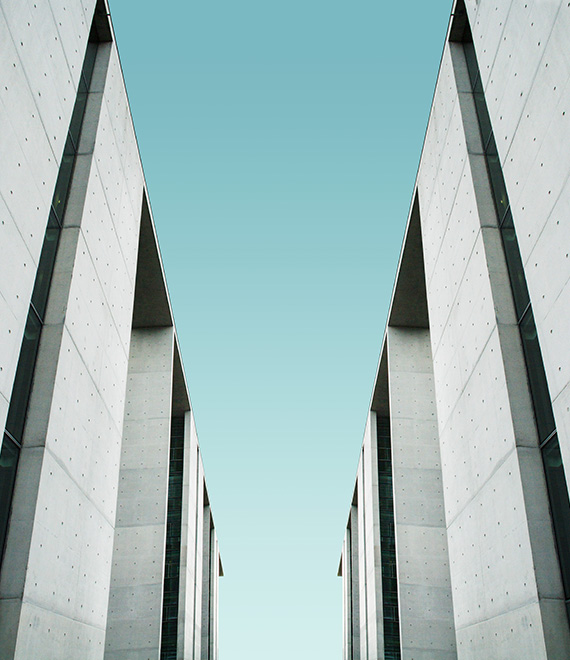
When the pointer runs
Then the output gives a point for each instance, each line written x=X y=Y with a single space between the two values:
x=354 y=585
x=55 y=571
x=344 y=573
x=188 y=542
x=199 y=568
x=206 y=583
x=363 y=585
x=215 y=597
x=424 y=585
x=371 y=531
x=135 y=604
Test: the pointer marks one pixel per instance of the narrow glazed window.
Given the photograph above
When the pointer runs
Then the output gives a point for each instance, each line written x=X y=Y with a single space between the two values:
x=24 y=377
x=46 y=265
x=388 y=542
x=558 y=491
x=536 y=376
x=8 y=463
x=514 y=265
x=169 y=637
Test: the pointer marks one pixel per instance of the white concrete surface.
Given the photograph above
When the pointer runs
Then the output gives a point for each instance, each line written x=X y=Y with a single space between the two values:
x=508 y=600
x=56 y=573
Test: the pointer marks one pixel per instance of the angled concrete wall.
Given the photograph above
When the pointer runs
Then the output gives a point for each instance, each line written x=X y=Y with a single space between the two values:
x=507 y=593
x=107 y=293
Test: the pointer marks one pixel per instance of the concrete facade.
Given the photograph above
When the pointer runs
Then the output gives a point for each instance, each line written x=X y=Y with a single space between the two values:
x=480 y=493
x=84 y=560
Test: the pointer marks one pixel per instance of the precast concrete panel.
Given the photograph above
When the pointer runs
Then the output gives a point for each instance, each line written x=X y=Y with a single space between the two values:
x=424 y=585
x=437 y=130
x=135 y=603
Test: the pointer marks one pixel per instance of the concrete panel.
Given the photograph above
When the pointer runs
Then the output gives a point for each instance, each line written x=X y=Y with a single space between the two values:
x=57 y=637
x=41 y=55
x=501 y=637
x=73 y=26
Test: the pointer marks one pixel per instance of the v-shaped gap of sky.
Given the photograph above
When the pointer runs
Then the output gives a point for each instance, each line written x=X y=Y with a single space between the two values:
x=280 y=143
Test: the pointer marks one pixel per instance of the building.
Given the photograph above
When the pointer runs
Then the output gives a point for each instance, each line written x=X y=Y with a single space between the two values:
x=108 y=542
x=458 y=537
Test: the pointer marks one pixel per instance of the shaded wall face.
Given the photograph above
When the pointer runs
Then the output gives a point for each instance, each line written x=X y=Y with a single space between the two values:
x=424 y=585
x=135 y=602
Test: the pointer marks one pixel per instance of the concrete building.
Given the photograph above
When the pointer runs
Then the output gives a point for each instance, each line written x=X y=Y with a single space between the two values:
x=107 y=538
x=458 y=537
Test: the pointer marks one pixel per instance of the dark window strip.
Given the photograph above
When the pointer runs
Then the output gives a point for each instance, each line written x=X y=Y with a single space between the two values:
x=391 y=621
x=171 y=593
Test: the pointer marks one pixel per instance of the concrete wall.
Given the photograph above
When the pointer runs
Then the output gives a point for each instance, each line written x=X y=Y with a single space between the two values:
x=508 y=600
x=527 y=85
x=363 y=633
x=41 y=54
x=64 y=500
x=55 y=579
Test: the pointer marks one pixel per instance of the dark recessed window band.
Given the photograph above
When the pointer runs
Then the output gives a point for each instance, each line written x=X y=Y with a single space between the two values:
x=538 y=385
x=169 y=637
x=24 y=376
x=392 y=649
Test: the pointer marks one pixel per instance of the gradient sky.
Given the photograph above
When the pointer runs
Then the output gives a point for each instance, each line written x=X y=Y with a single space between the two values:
x=280 y=143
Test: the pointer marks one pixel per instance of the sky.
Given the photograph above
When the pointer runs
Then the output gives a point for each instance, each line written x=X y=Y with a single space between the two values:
x=280 y=143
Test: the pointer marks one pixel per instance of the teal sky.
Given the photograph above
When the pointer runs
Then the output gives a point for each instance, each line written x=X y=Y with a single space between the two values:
x=280 y=143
